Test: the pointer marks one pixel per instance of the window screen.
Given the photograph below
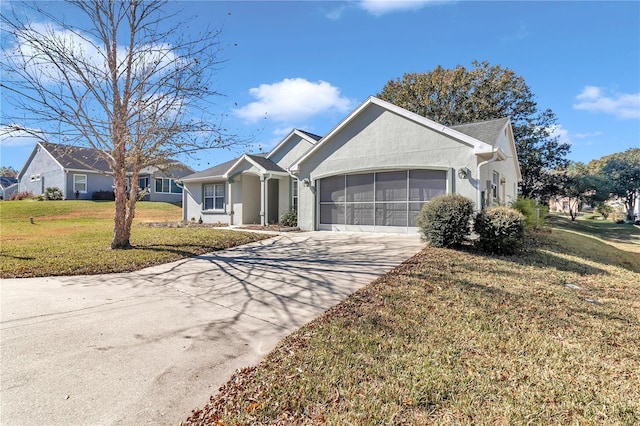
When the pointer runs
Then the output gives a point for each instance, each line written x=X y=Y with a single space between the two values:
x=426 y=184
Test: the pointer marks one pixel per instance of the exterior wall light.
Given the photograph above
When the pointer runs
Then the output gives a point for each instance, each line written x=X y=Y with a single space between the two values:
x=463 y=173
x=306 y=183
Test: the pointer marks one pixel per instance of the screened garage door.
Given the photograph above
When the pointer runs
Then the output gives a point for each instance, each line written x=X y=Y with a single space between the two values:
x=377 y=202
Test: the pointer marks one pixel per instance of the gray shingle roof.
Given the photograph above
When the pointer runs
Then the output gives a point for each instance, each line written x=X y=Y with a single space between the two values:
x=311 y=135
x=212 y=172
x=485 y=131
x=266 y=164
x=6 y=181
x=77 y=158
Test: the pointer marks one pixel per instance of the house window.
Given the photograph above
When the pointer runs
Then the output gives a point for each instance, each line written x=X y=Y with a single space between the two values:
x=495 y=181
x=143 y=182
x=294 y=194
x=34 y=178
x=80 y=183
x=214 y=196
x=167 y=186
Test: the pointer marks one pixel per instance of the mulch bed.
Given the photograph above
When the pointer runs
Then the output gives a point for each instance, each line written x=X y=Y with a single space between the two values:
x=184 y=225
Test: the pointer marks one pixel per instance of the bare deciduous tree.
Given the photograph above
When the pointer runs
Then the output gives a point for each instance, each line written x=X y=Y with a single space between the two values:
x=125 y=79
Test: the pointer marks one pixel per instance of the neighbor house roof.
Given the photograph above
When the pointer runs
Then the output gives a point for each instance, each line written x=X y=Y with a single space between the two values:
x=6 y=181
x=77 y=158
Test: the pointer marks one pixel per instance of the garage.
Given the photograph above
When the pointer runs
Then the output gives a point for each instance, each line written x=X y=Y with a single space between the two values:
x=384 y=201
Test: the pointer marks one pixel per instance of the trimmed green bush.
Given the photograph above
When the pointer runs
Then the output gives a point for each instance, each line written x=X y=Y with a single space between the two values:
x=445 y=221
x=500 y=230
x=289 y=219
x=53 y=193
x=103 y=196
x=528 y=206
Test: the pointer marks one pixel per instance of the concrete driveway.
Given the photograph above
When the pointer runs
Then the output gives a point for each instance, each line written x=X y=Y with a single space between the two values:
x=148 y=347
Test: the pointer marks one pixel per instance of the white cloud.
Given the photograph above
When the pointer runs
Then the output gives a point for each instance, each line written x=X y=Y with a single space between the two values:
x=381 y=7
x=9 y=137
x=43 y=47
x=293 y=99
x=559 y=132
x=588 y=135
x=621 y=105
x=336 y=13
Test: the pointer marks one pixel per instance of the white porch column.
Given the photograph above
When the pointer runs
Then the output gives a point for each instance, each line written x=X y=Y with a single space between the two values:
x=230 y=201
x=263 y=200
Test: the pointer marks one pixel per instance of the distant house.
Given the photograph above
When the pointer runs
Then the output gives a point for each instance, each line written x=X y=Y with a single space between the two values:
x=8 y=185
x=372 y=173
x=80 y=172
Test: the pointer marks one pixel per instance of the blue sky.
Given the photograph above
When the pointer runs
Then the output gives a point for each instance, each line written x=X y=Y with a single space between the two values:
x=305 y=64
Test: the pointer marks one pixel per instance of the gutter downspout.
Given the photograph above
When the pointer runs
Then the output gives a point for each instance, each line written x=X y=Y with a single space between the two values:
x=479 y=195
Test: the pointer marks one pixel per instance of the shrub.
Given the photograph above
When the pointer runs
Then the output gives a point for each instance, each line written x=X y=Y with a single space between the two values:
x=16 y=196
x=528 y=206
x=445 y=221
x=290 y=218
x=604 y=210
x=103 y=196
x=500 y=230
x=53 y=194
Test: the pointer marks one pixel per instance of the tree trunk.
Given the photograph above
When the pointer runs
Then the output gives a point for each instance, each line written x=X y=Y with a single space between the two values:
x=121 y=230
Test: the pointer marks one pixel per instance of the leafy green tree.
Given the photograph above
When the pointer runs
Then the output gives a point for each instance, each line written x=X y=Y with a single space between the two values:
x=8 y=171
x=484 y=92
x=621 y=171
x=581 y=187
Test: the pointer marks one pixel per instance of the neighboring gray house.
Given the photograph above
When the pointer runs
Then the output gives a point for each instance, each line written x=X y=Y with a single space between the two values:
x=82 y=171
x=8 y=185
x=373 y=172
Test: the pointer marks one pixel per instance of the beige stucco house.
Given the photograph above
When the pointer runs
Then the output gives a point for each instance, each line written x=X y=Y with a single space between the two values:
x=372 y=172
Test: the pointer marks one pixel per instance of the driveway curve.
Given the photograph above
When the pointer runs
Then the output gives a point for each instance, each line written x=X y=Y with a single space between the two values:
x=147 y=347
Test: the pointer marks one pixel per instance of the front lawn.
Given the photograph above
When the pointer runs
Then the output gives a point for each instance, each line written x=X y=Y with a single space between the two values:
x=73 y=238
x=551 y=336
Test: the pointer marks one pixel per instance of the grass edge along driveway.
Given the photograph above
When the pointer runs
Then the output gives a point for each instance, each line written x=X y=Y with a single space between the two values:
x=550 y=336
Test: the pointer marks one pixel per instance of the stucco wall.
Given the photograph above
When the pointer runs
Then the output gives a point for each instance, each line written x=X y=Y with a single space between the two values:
x=194 y=202
x=290 y=151
x=95 y=182
x=250 y=199
x=380 y=140
x=284 y=204
x=51 y=174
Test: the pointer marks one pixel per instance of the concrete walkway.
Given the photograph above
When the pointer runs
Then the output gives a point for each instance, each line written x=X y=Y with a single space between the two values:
x=148 y=347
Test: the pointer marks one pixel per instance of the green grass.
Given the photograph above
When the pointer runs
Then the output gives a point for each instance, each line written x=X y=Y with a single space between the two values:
x=73 y=238
x=622 y=235
x=457 y=337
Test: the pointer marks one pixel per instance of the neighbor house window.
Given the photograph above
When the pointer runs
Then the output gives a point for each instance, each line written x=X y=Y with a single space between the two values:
x=143 y=182
x=167 y=186
x=494 y=186
x=80 y=183
x=214 y=196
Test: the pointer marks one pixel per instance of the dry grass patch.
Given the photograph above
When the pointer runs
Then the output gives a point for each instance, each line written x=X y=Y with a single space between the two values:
x=454 y=337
